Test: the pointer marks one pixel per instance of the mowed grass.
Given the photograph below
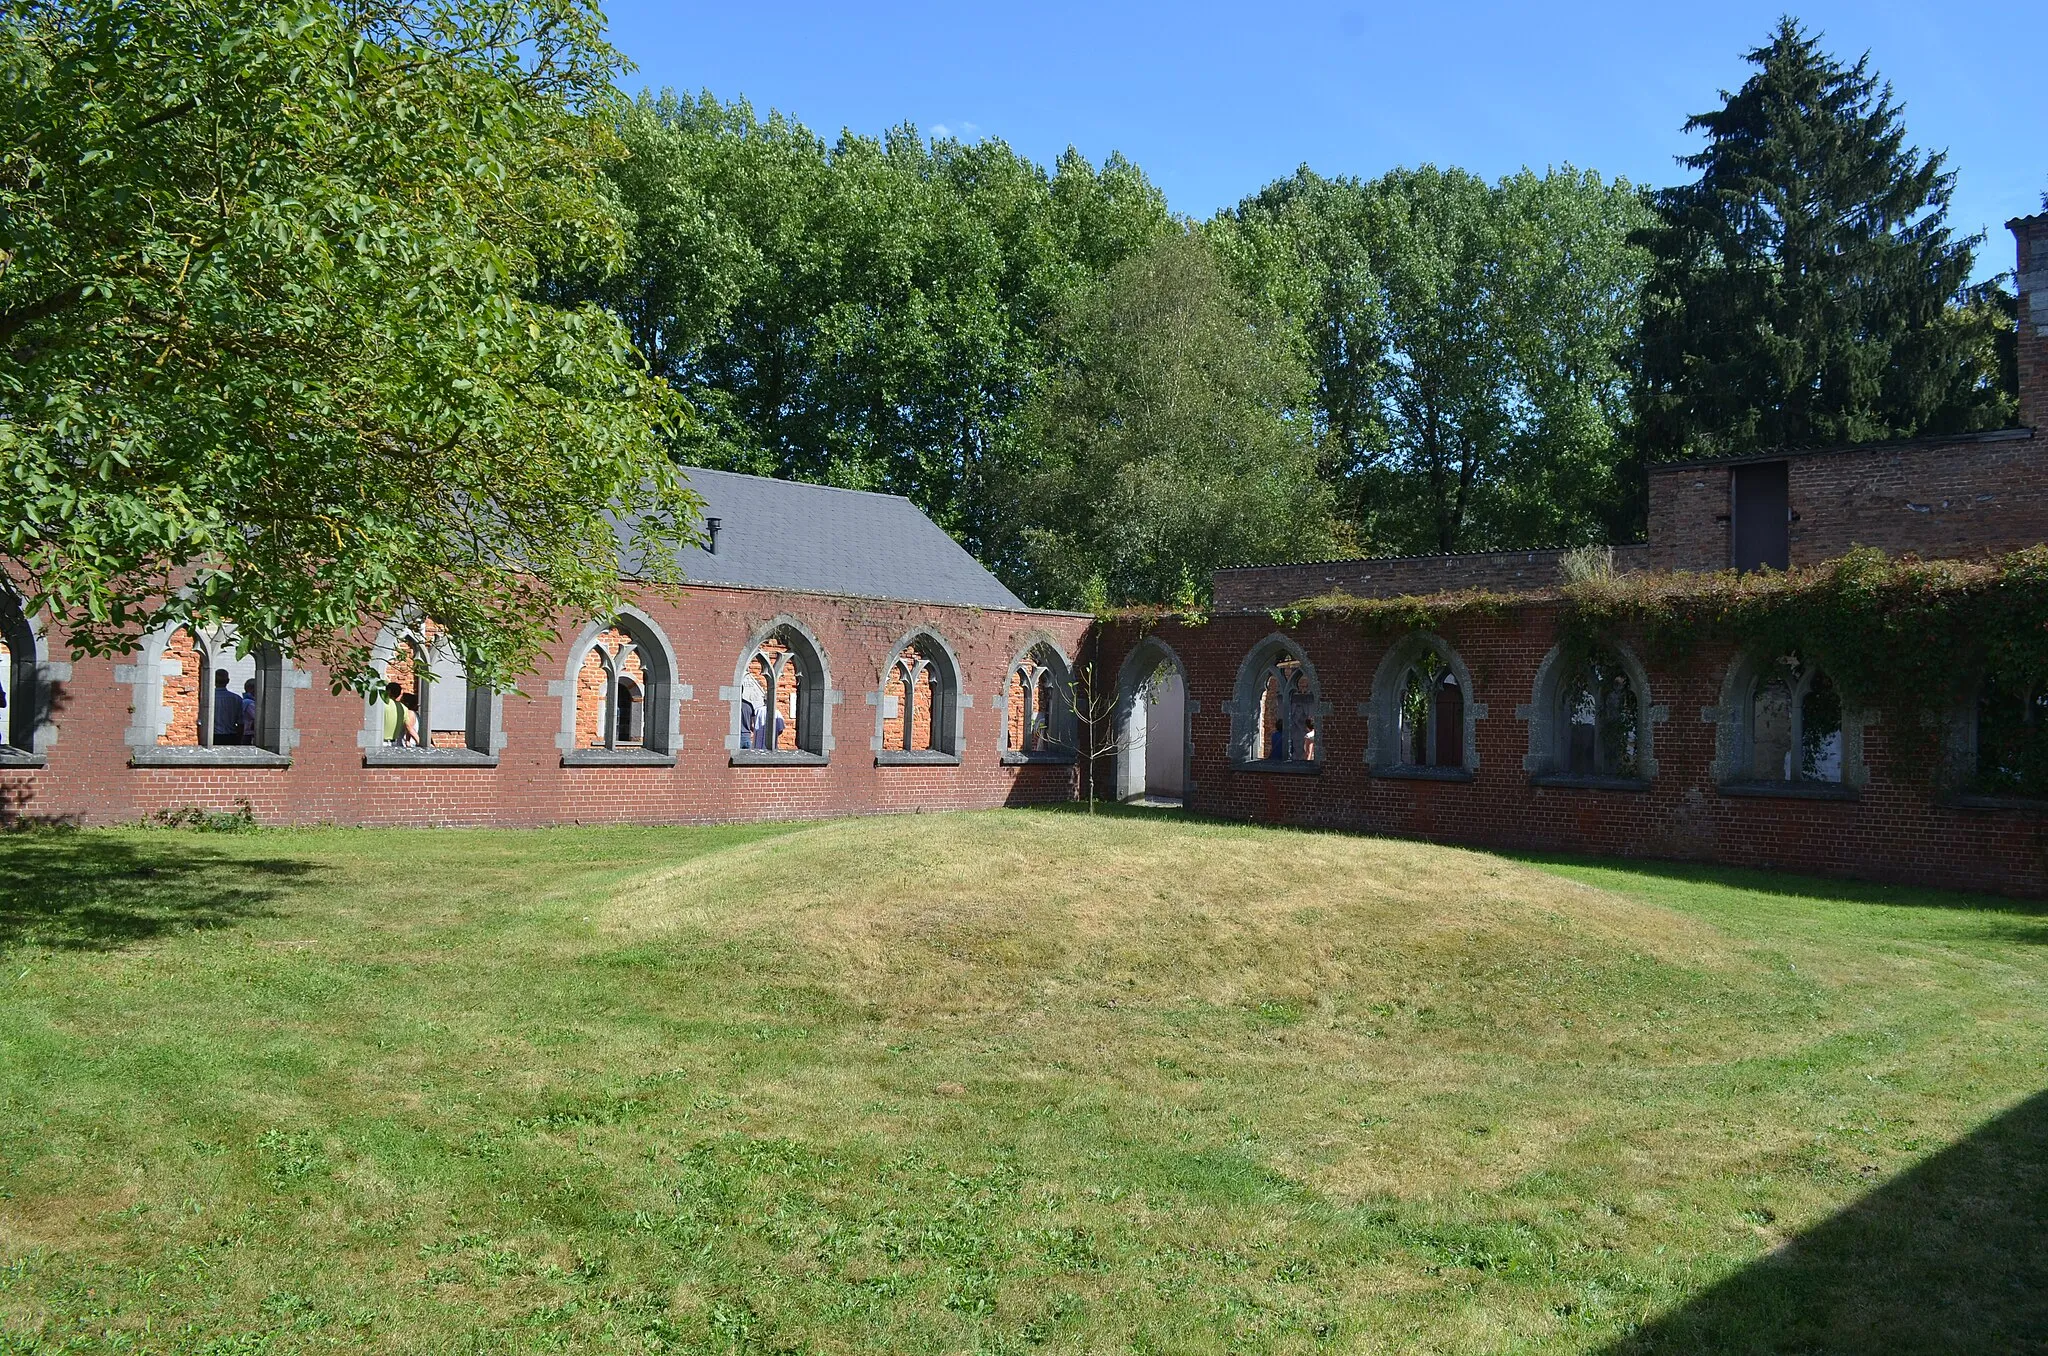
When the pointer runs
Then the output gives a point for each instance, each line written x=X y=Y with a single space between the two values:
x=1007 y=1082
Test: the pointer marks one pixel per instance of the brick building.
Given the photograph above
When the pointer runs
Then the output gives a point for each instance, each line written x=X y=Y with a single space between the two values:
x=836 y=653
x=833 y=653
x=1488 y=734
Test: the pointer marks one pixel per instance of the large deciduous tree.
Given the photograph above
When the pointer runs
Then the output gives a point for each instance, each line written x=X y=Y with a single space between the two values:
x=1468 y=341
x=1176 y=436
x=870 y=312
x=1807 y=287
x=270 y=349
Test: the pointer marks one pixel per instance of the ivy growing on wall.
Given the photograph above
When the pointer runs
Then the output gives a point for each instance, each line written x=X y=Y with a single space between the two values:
x=1910 y=638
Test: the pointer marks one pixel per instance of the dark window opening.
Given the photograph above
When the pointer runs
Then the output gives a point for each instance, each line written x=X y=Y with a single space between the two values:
x=1762 y=511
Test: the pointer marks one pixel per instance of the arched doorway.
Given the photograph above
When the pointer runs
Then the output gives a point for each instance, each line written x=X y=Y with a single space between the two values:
x=1154 y=736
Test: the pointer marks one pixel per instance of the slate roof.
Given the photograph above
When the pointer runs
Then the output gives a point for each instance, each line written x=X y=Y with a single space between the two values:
x=779 y=534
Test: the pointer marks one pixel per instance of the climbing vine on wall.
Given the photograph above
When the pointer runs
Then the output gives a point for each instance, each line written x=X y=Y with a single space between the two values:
x=1908 y=637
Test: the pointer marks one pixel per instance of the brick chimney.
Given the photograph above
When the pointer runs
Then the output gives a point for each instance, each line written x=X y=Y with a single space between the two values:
x=2031 y=235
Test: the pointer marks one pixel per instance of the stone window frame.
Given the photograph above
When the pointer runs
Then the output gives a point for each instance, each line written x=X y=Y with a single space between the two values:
x=483 y=716
x=275 y=717
x=1548 y=728
x=1061 y=741
x=817 y=698
x=1382 y=712
x=1962 y=751
x=1734 y=739
x=1131 y=683
x=33 y=678
x=1247 y=728
x=662 y=736
x=950 y=703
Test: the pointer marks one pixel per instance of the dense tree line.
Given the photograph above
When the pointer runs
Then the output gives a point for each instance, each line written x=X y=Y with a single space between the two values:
x=312 y=315
x=1104 y=402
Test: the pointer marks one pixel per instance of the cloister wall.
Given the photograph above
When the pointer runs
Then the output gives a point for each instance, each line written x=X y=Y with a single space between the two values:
x=88 y=778
x=1895 y=828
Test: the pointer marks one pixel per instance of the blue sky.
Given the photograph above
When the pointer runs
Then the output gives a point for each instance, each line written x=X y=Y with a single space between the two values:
x=1215 y=101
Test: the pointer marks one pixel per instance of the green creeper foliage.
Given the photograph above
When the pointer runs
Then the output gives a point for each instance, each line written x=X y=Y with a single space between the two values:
x=1174 y=439
x=1467 y=340
x=1807 y=287
x=270 y=349
x=1915 y=639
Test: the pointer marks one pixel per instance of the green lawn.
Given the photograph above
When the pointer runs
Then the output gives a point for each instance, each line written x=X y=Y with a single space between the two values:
x=1007 y=1082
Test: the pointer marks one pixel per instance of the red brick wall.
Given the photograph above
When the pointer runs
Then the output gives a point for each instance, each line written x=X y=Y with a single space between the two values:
x=88 y=778
x=1943 y=498
x=1895 y=830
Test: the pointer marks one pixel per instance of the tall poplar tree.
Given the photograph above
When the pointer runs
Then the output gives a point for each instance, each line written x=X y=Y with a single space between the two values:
x=1807 y=288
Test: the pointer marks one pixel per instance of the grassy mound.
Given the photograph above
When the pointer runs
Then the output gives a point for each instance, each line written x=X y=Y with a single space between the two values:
x=1004 y=1082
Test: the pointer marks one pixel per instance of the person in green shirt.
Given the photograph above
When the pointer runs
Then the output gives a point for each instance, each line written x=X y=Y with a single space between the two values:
x=394 y=715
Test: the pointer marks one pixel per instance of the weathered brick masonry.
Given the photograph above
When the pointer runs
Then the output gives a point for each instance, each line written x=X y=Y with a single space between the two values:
x=88 y=777
x=1893 y=828
x=1983 y=494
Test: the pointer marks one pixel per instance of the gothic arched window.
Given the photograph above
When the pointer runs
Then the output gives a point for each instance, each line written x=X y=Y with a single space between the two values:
x=25 y=680
x=919 y=703
x=1423 y=713
x=1591 y=717
x=1038 y=710
x=1795 y=724
x=425 y=709
x=780 y=700
x=623 y=695
x=2011 y=743
x=1279 y=714
x=203 y=697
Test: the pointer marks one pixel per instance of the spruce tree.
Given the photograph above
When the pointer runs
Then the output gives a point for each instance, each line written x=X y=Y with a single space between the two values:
x=1807 y=288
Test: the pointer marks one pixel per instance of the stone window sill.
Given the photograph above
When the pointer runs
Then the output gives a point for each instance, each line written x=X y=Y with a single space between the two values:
x=1019 y=758
x=1285 y=767
x=1790 y=790
x=617 y=758
x=222 y=755
x=14 y=756
x=1577 y=781
x=1973 y=800
x=428 y=758
x=777 y=758
x=916 y=758
x=1406 y=772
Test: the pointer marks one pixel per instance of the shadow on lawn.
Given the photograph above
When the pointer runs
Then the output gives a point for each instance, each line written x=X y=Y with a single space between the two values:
x=80 y=891
x=1949 y=1257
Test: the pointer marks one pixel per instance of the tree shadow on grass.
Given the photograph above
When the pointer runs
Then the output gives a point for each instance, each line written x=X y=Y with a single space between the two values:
x=74 y=890
x=1949 y=1257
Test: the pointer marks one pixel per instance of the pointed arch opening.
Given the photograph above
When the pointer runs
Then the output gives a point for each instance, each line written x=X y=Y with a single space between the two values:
x=1423 y=718
x=1037 y=706
x=426 y=712
x=918 y=710
x=781 y=700
x=1153 y=731
x=621 y=696
x=1278 y=718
